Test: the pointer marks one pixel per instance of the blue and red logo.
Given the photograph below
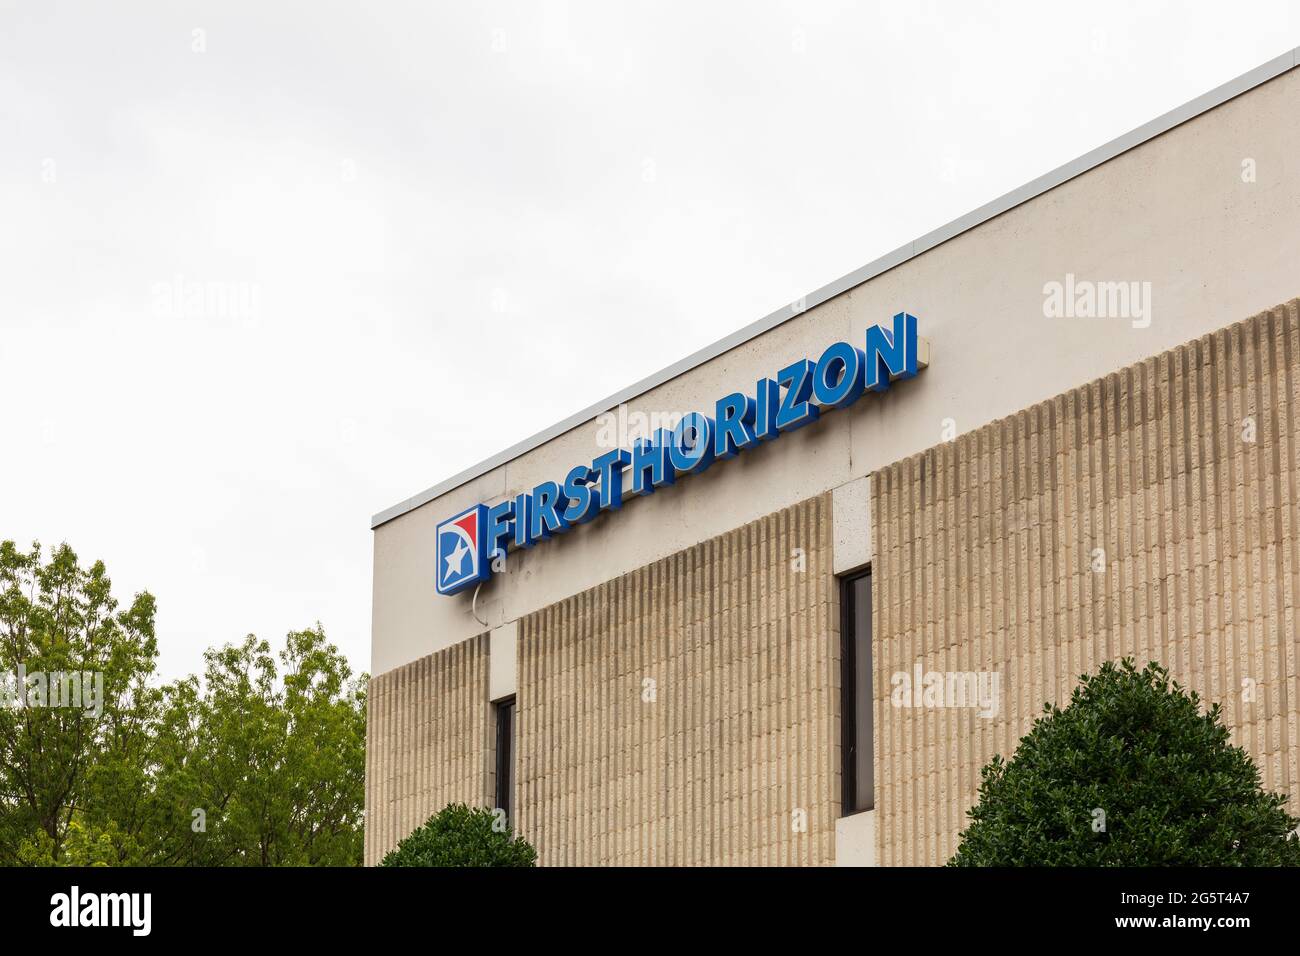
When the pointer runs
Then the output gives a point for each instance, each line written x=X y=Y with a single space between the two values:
x=462 y=551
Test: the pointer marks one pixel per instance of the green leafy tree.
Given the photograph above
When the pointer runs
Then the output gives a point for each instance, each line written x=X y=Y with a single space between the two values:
x=58 y=762
x=276 y=767
x=255 y=765
x=458 y=835
x=1131 y=773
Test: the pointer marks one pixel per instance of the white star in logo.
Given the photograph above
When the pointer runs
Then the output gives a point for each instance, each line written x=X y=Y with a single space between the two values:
x=456 y=559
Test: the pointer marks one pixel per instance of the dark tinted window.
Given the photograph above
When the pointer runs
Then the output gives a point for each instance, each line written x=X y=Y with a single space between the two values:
x=856 y=733
x=506 y=756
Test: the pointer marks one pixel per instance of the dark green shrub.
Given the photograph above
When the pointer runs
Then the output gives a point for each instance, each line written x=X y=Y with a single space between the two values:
x=1131 y=773
x=458 y=835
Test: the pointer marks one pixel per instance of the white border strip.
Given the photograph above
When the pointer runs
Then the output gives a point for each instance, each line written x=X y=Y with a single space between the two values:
x=1148 y=131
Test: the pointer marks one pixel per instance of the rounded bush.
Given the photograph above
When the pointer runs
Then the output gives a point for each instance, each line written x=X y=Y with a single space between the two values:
x=458 y=835
x=1131 y=773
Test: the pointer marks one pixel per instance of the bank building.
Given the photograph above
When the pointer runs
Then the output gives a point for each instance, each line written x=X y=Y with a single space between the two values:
x=778 y=603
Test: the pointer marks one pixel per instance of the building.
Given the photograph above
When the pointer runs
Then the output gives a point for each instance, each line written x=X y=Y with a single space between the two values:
x=1096 y=457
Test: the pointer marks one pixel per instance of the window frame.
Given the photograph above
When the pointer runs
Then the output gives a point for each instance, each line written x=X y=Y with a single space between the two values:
x=505 y=713
x=849 y=704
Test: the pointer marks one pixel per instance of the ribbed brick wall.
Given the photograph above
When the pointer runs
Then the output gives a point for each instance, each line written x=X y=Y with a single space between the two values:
x=429 y=742
x=984 y=561
x=742 y=643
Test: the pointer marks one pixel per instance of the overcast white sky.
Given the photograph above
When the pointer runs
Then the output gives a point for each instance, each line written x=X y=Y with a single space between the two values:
x=442 y=227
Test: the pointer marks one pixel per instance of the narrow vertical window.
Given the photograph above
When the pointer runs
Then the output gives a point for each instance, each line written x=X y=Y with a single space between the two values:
x=505 y=781
x=856 y=702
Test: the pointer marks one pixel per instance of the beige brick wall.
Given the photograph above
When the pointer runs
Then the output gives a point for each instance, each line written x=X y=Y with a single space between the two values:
x=984 y=551
x=743 y=647
x=429 y=742
x=983 y=559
